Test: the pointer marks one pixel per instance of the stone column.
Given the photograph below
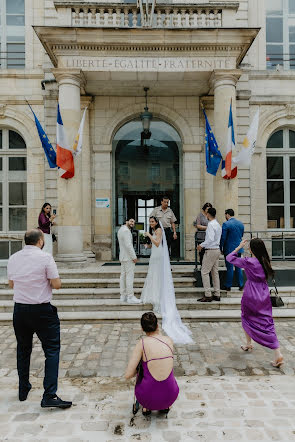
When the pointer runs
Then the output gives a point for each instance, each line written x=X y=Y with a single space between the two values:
x=69 y=191
x=224 y=84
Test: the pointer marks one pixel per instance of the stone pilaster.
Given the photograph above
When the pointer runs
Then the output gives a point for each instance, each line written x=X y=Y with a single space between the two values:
x=87 y=194
x=224 y=84
x=70 y=202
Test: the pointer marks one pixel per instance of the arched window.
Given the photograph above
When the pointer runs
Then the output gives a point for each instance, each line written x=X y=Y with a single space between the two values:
x=281 y=180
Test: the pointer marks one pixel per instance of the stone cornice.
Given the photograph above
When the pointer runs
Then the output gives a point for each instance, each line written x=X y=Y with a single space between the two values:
x=90 y=4
x=57 y=40
x=271 y=75
x=9 y=73
x=148 y=47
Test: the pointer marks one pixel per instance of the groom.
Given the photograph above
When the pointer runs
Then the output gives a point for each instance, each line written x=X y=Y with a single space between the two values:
x=128 y=259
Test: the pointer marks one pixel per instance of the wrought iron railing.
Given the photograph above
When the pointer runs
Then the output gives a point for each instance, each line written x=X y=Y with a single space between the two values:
x=280 y=244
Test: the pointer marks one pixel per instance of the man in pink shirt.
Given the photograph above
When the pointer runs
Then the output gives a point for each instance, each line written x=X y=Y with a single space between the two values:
x=33 y=274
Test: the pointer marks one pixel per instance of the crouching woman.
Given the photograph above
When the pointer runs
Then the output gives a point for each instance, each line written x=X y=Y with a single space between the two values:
x=156 y=387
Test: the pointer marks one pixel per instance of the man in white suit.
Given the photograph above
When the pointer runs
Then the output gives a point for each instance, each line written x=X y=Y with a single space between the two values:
x=128 y=259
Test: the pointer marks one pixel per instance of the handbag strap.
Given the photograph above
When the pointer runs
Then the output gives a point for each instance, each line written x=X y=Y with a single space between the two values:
x=275 y=286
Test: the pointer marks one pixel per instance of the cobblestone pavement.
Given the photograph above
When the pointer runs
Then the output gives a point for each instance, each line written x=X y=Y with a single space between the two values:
x=209 y=409
x=102 y=350
x=225 y=394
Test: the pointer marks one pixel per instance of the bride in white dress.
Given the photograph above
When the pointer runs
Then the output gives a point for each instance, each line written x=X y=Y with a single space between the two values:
x=152 y=285
x=159 y=288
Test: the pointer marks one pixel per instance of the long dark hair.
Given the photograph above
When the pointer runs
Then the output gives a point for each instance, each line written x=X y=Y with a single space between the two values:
x=206 y=205
x=157 y=226
x=43 y=207
x=258 y=248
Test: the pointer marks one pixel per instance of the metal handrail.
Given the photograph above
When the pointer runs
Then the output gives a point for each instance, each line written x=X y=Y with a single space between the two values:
x=270 y=237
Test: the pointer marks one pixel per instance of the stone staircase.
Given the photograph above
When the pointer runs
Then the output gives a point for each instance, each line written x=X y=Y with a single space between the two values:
x=92 y=294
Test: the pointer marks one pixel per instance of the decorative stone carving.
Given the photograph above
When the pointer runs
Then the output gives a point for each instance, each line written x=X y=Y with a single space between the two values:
x=290 y=111
x=2 y=110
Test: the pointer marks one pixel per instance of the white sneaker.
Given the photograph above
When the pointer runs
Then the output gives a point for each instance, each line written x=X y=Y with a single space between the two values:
x=123 y=298
x=133 y=300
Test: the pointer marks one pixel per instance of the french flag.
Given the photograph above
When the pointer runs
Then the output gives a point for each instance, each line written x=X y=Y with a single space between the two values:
x=227 y=172
x=64 y=154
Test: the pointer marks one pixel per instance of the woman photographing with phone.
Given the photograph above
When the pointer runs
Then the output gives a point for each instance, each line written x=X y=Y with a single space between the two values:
x=45 y=221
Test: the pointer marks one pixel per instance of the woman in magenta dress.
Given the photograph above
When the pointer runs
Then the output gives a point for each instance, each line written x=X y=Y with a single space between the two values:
x=256 y=305
x=157 y=389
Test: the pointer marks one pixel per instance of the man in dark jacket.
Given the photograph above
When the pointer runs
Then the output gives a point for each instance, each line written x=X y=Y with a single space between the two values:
x=232 y=233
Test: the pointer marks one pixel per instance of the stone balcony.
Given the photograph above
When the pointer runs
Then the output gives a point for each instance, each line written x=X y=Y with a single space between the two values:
x=166 y=15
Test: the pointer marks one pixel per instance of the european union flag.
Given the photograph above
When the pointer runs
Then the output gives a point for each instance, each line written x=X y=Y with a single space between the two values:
x=48 y=149
x=213 y=154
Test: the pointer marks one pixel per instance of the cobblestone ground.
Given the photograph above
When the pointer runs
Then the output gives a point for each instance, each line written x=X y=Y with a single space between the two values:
x=225 y=394
x=228 y=408
x=102 y=350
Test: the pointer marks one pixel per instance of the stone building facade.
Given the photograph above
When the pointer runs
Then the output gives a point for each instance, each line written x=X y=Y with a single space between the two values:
x=102 y=54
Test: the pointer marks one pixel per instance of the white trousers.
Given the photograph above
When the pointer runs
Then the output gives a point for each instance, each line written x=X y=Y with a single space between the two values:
x=47 y=243
x=127 y=278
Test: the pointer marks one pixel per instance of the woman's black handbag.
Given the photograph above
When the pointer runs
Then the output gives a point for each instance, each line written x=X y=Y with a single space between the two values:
x=276 y=300
x=139 y=370
x=139 y=377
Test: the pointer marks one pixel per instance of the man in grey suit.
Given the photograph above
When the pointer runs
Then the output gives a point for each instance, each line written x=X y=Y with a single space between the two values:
x=128 y=259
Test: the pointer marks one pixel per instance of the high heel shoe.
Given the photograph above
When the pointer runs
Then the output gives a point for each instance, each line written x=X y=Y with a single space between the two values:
x=165 y=411
x=146 y=412
x=278 y=362
x=247 y=347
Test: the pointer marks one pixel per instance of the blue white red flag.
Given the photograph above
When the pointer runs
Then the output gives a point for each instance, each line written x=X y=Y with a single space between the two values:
x=64 y=154
x=227 y=171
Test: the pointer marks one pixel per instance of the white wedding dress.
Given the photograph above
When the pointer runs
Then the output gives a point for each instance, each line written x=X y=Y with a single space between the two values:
x=159 y=290
x=151 y=293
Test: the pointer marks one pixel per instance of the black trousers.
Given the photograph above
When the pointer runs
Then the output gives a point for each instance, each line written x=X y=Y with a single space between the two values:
x=169 y=238
x=43 y=320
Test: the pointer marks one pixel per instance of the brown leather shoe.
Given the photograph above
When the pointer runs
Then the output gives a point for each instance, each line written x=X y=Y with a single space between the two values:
x=205 y=299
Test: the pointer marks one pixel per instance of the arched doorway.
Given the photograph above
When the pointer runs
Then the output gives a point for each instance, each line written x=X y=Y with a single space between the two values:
x=142 y=174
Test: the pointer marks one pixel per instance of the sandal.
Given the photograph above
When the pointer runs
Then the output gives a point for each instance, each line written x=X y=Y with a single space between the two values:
x=278 y=362
x=146 y=412
x=247 y=347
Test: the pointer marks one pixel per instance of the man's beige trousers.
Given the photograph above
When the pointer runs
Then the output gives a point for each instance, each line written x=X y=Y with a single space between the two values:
x=210 y=264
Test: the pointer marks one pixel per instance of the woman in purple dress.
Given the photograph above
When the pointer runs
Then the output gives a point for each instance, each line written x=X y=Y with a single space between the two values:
x=256 y=305
x=157 y=389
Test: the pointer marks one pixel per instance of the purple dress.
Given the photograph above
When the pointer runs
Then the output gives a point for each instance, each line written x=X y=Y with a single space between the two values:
x=153 y=394
x=256 y=305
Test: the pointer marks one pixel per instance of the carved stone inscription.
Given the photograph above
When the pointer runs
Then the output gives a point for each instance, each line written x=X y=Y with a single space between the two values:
x=163 y=64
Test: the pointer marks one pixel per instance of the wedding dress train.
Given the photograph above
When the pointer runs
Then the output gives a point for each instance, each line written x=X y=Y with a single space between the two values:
x=159 y=290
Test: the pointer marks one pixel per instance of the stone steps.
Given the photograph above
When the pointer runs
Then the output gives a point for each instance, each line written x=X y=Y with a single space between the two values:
x=98 y=305
x=92 y=294
x=114 y=272
x=112 y=282
x=114 y=293
x=134 y=315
